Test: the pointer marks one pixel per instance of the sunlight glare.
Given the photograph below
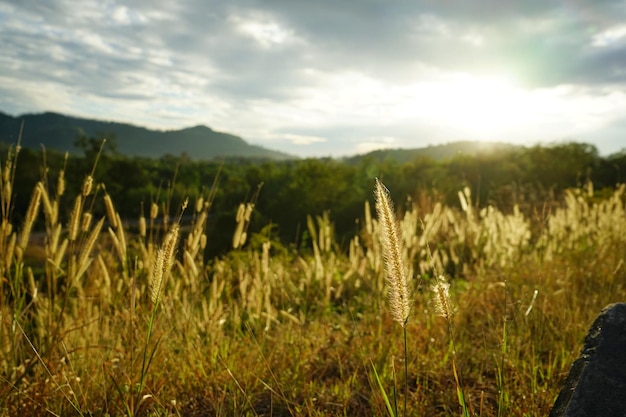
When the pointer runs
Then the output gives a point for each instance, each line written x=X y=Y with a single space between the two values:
x=475 y=105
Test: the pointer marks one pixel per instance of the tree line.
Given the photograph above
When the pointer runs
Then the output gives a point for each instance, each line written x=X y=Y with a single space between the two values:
x=292 y=190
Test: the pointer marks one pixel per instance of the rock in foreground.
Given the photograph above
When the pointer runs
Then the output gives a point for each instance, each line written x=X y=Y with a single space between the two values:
x=596 y=384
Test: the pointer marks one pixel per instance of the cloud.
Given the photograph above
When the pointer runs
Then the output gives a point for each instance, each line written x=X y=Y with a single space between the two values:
x=374 y=143
x=302 y=139
x=321 y=76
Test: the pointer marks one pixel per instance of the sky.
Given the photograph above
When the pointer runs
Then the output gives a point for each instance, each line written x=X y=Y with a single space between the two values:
x=326 y=77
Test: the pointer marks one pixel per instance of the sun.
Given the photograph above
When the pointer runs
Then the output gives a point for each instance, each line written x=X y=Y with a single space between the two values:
x=478 y=106
x=382 y=113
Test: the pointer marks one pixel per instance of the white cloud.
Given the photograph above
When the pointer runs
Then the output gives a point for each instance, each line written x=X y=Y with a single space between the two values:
x=122 y=15
x=302 y=139
x=609 y=37
x=323 y=77
x=263 y=29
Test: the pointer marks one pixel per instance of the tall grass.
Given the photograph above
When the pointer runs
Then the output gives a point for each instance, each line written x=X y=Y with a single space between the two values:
x=398 y=281
x=93 y=321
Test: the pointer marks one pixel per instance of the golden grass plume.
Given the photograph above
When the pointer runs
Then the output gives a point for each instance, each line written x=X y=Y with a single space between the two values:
x=441 y=288
x=163 y=263
x=397 y=278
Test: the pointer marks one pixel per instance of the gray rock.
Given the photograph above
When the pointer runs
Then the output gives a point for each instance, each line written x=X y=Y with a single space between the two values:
x=596 y=384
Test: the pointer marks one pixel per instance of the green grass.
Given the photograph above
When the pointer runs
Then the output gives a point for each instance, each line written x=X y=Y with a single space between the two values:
x=268 y=331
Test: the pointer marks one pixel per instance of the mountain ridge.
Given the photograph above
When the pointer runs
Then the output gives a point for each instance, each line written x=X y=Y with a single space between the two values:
x=59 y=132
x=437 y=152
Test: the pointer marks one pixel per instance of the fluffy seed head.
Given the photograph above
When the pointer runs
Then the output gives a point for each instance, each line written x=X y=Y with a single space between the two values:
x=108 y=203
x=6 y=172
x=396 y=275
x=75 y=219
x=10 y=249
x=83 y=259
x=47 y=204
x=163 y=263
x=441 y=289
x=31 y=215
x=142 y=226
x=61 y=183
x=248 y=211
x=86 y=222
x=240 y=213
x=87 y=185
x=199 y=204
x=6 y=191
x=154 y=211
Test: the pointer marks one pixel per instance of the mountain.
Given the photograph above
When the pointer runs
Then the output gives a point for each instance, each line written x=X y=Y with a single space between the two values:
x=436 y=152
x=59 y=132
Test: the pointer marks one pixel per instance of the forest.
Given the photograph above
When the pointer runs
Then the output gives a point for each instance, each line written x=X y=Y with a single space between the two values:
x=289 y=191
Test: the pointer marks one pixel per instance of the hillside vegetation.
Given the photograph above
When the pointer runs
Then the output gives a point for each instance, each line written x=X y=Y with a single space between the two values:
x=59 y=132
x=109 y=309
x=293 y=190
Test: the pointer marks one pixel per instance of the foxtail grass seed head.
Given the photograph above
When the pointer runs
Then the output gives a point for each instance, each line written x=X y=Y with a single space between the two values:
x=156 y=281
x=6 y=191
x=60 y=253
x=463 y=201
x=108 y=203
x=87 y=185
x=154 y=211
x=61 y=183
x=6 y=172
x=441 y=288
x=86 y=222
x=248 y=212
x=7 y=228
x=10 y=249
x=142 y=226
x=190 y=264
x=75 y=219
x=53 y=242
x=48 y=208
x=31 y=215
x=8 y=166
x=240 y=213
x=91 y=241
x=238 y=236
x=396 y=275
x=121 y=236
x=163 y=263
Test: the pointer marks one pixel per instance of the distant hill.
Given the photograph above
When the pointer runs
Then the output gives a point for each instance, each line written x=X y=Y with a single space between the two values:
x=436 y=152
x=59 y=132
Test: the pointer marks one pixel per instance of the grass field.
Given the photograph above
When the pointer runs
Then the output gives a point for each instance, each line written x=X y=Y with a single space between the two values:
x=99 y=320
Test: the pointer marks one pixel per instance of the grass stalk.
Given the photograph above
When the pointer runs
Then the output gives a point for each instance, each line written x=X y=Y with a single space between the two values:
x=399 y=294
x=444 y=309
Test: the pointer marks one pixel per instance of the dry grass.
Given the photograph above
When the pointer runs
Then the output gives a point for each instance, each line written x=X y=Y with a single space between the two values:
x=270 y=332
x=400 y=299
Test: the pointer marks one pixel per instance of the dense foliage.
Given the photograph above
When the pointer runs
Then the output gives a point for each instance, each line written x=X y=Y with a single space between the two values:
x=291 y=190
